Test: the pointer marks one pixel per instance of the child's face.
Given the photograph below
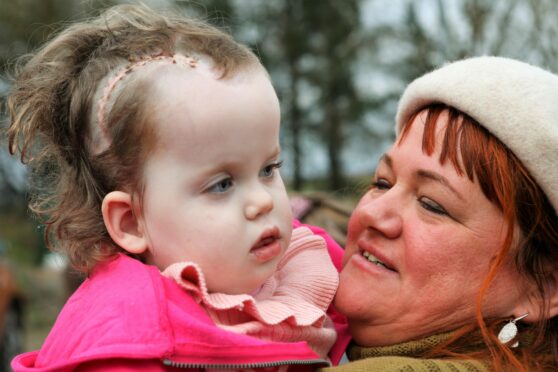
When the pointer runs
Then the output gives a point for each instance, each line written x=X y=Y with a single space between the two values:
x=213 y=191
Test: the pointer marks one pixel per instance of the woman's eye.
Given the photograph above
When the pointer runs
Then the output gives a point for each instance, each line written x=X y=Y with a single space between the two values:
x=220 y=187
x=431 y=206
x=269 y=169
x=380 y=184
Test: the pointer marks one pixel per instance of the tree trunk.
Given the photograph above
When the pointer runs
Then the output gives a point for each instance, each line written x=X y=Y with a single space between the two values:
x=334 y=145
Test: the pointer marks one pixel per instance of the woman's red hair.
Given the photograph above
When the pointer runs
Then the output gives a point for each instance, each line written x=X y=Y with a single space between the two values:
x=477 y=154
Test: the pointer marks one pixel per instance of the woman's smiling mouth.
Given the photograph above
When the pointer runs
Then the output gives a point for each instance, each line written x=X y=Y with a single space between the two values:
x=370 y=257
x=376 y=261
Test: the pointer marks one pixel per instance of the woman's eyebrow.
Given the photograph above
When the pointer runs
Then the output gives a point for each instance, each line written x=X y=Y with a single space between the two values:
x=422 y=173
x=436 y=177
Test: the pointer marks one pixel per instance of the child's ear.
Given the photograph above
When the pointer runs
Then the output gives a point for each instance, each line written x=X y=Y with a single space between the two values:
x=122 y=224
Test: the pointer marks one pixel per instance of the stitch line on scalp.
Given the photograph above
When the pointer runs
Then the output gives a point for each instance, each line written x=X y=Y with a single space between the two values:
x=132 y=66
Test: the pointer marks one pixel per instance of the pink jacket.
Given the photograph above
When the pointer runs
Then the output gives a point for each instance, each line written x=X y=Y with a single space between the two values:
x=127 y=316
x=291 y=304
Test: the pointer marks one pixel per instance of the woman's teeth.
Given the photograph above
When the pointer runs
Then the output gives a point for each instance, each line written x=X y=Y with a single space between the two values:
x=370 y=257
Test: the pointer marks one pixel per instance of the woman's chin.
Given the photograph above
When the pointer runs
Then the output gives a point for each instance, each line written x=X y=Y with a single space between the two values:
x=354 y=295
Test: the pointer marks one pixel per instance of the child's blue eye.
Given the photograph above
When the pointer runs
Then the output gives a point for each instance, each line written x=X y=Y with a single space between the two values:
x=221 y=187
x=269 y=169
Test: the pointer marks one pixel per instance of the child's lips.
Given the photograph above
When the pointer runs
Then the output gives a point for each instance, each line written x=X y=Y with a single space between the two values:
x=268 y=245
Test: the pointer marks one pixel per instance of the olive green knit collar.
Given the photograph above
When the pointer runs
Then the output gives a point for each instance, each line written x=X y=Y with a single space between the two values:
x=410 y=348
x=417 y=348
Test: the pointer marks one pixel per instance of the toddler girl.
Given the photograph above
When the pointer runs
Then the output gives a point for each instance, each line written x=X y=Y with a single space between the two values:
x=155 y=143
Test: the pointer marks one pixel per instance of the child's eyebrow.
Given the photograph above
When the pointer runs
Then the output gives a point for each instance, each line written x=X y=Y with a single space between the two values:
x=277 y=152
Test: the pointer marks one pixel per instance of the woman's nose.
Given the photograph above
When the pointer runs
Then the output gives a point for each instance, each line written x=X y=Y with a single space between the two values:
x=259 y=202
x=381 y=213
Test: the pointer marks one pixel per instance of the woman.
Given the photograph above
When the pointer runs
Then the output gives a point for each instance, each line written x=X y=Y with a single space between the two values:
x=458 y=235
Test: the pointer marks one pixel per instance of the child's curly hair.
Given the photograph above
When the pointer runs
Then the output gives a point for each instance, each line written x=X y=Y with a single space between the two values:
x=52 y=108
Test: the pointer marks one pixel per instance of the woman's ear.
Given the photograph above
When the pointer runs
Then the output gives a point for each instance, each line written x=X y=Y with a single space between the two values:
x=553 y=294
x=122 y=223
x=533 y=305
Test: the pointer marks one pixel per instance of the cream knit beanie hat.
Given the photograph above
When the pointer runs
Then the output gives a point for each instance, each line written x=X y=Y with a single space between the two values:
x=515 y=101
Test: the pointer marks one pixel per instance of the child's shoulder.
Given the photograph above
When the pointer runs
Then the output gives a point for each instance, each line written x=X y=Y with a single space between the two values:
x=123 y=283
x=119 y=303
x=120 y=277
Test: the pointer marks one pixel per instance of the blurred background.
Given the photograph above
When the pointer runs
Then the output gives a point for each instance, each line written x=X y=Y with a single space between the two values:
x=339 y=67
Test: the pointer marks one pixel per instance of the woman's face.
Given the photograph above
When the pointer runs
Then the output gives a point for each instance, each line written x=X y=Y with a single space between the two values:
x=419 y=245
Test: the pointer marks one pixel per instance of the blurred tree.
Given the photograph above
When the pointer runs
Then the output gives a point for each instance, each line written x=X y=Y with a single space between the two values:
x=12 y=184
x=220 y=13
x=319 y=43
x=24 y=25
x=544 y=32
x=311 y=49
x=338 y=67
x=335 y=50
x=429 y=33
x=521 y=29
x=294 y=48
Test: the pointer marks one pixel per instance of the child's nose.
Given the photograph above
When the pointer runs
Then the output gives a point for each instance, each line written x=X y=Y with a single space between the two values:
x=259 y=202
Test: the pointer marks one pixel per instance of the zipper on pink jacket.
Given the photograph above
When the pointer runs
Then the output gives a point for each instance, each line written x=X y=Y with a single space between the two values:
x=171 y=363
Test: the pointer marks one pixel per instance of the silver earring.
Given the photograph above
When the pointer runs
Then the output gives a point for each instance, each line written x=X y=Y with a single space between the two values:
x=509 y=331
